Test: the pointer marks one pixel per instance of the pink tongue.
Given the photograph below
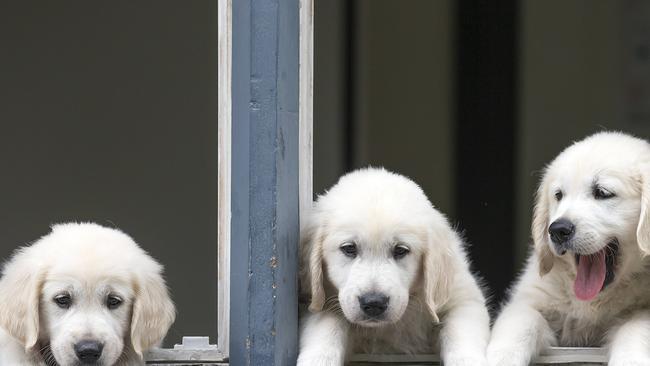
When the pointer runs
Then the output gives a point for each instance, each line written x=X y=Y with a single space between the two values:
x=591 y=276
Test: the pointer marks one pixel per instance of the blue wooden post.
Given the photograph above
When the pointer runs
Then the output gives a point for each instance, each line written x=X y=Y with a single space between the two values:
x=265 y=227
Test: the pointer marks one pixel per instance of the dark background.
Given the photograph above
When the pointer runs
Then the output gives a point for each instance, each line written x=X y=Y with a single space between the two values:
x=108 y=112
x=472 y=98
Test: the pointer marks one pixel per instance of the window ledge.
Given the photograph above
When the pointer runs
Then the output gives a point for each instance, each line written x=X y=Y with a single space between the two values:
x=179 y=357
x=553 y=356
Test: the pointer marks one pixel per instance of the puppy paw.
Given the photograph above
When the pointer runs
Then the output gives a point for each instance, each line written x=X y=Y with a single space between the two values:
x=464 y=360
x=319 y=359
x=506 y=357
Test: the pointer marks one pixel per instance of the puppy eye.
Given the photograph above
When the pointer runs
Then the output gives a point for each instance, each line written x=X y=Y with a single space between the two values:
x=400 y=250
x=63 y=301
x=558 y=195
x=113 y=302
x=601 y=193
x=349 y=249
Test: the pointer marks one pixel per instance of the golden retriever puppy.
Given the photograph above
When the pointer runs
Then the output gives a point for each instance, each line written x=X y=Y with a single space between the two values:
x=386 y=273
x=82 y=295
x=587 y=282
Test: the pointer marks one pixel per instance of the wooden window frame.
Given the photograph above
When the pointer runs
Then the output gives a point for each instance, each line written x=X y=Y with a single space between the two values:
x=221 y=354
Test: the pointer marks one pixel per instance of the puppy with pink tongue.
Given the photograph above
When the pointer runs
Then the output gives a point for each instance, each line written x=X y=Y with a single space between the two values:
x=587 y=281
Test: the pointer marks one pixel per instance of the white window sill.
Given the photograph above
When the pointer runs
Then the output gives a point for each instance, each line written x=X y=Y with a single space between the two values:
x=554 y=356
x=178 y=357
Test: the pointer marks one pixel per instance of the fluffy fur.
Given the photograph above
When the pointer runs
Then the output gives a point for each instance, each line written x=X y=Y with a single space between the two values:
x=90 y=267
x=602 y=186
x=435 y=305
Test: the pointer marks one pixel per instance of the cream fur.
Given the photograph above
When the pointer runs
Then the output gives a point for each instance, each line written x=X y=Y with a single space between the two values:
x=88 y=262
x=435 y=303
x=543 y=310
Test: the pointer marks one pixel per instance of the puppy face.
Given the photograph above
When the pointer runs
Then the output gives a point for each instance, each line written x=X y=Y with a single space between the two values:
x=85 y=318
x=379 y=241
x=85 y=294
x=589 y=208
x=373 y=264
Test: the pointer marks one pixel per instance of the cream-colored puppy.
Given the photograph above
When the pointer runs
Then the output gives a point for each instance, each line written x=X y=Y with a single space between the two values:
x=386 y=273
x=587 y=282
x=82 y=295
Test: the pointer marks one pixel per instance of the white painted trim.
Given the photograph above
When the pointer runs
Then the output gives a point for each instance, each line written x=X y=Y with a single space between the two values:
x=551 y=356
x=306 y=108
x=562 y=355
x=224 y=23
x=166 y=355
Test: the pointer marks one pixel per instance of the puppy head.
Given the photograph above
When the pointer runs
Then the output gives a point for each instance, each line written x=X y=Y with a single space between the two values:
x=589 y=211
x=92 y=296
x=373 y=235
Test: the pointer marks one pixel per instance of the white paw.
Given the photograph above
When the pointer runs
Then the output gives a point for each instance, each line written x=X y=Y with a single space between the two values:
x=464 y=360
x=629 y=360
x=319 y=359
x=506 y=357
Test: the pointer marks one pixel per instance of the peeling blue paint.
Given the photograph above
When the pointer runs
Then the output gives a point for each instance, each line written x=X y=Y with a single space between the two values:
x=264 y=228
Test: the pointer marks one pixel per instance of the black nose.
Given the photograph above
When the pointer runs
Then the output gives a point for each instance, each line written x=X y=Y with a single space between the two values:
x=373 y=304
x=561 y=231
x=88 y=351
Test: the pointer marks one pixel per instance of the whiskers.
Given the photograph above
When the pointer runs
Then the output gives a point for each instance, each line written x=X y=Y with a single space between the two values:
x=49 y=360
x=48 y=357
x=415 y=312
x=612 y=248
x=610 y=251
x=332 y=305
x=413 y=333
x=586 y=244
x=123 y=359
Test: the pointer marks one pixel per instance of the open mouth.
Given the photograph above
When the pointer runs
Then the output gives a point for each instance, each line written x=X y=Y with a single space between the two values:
x=595 y=271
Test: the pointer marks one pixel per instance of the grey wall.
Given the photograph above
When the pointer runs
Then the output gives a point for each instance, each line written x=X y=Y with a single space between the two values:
x=399 y=82
x=403 y=92
x=108 y=113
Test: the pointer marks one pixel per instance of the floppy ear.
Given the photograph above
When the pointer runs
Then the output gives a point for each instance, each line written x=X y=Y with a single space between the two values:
x=153 y=311
x=539 y=229
x=20 y=289
x=437 y=269
x=311 y=253
x=643 y=230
